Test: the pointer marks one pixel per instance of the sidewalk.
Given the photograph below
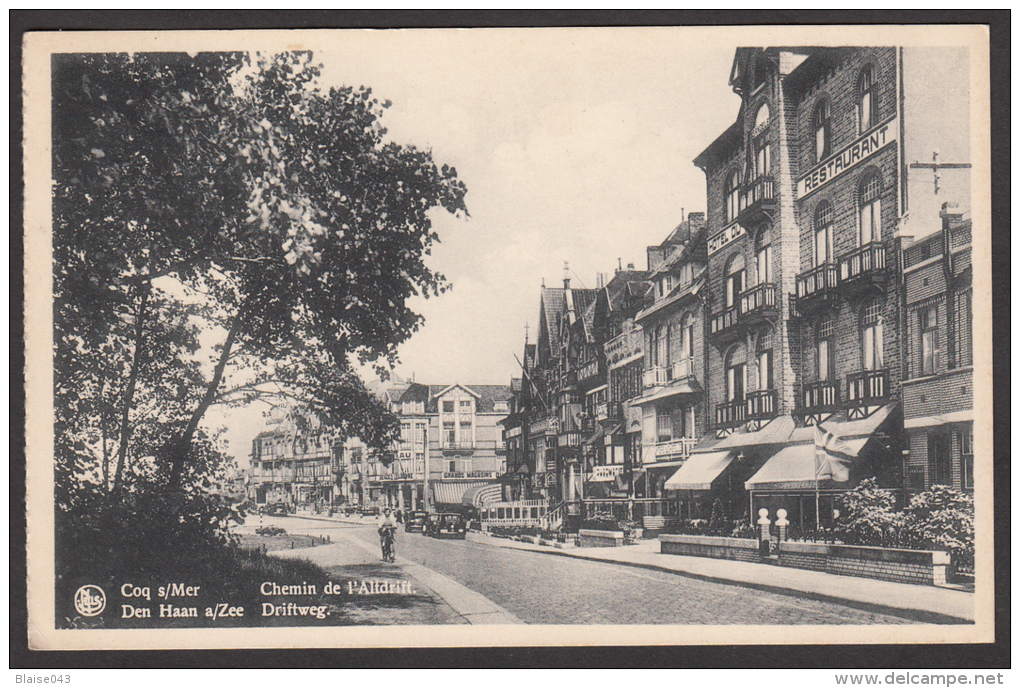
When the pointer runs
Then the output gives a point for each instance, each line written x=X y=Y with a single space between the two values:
x=925 y=603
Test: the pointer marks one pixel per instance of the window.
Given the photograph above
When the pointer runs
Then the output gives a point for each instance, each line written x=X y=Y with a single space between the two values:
x=871 y=208
x=447 y=407
x=964 y=325
x=867 y=105
x=465 y=404
x=449 y=433
x=871 y=337
x=405 y=432
x=938 y=458
x=734 y=279
x=965 y=438
x=764 y=256
x=676 y=347
x=687 y=328
x=662 y=346
x=765 y=359
x=732 y=196
x=736 y=373
x=762 y=157
x=689 y=422
x=453 y=466
x=823 y=349
x=823 y=233
x=822 y=130
x=928 y=321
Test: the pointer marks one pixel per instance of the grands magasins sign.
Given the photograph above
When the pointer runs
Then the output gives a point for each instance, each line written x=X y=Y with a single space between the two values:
x=848 y=158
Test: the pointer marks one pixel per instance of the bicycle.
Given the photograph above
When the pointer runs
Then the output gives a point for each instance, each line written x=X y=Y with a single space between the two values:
x=386 y=534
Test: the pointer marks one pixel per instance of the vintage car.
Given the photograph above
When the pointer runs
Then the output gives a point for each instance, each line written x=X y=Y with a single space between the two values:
x=275 y=509
x=446 y=526
x=415 y=522
x=369 y=511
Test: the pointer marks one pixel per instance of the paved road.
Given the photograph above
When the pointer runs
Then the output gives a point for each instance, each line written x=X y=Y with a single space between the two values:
x=539 y=588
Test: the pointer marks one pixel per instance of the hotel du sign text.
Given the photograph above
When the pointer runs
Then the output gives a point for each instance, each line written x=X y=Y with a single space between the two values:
x=731 y=233
x=848 y=158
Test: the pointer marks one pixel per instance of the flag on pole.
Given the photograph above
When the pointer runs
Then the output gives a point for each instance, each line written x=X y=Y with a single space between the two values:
x=832 y=456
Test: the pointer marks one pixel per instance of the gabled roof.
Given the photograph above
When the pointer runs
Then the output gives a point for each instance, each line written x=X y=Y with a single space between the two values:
x=552 y=307
x=485 y=395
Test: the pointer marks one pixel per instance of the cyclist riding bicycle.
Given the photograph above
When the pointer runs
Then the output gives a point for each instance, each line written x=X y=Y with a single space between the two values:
x=387 y=530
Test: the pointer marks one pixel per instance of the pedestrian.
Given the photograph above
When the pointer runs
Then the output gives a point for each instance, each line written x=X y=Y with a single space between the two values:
x=400 y=515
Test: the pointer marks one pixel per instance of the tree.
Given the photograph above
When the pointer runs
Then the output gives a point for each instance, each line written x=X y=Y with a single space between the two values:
x=942 y=518
x=233 y=195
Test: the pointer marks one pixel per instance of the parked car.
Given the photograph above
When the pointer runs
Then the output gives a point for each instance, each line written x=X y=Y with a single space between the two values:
x=369 y=511
x=276 y=509
x=446 y=526
x=415 y=522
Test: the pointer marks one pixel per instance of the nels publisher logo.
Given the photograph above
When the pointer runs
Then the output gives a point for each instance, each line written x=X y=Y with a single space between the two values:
x=90 y=600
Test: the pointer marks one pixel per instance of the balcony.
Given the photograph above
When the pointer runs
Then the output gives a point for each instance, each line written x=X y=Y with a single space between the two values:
x=863 y=268
x=655 y=377
x=757 y=202
x=458 y=447
x=865 y=391
x=816 y=287
x=730 y=414
x=625 y=347
x=680 y=369
x=820 y=398
x=724 y=324
x=757 y=303
x=761 y=405
x=674 y=450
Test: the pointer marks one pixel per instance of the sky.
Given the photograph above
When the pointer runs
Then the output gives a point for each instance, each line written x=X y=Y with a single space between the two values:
x=575 y=146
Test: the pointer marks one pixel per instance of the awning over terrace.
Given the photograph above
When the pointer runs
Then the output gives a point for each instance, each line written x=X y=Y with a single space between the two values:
x=700 y=471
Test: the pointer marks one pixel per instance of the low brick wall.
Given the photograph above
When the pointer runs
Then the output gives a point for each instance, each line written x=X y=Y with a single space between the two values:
x=739 y=549
x=599 y=538
x=898 y=565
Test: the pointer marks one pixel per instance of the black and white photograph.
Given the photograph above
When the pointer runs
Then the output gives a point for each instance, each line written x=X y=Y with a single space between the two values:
x=508 y=337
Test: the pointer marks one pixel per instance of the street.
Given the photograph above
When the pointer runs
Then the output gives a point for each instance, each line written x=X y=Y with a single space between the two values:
x=542 y=589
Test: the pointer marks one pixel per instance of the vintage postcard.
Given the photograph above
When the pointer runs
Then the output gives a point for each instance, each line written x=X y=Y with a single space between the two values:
x=508 y=337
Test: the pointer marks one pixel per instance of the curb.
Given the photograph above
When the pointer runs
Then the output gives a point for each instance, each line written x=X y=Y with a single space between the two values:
x=921 y=615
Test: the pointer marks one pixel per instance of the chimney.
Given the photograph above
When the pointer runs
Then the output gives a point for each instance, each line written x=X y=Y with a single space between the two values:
x=951 y=214
x=630 y=266
x=566 y=275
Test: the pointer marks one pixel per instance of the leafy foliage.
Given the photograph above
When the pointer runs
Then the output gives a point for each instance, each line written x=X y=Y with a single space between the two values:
x=867 y=516
x=942 y=519
x=219 y=197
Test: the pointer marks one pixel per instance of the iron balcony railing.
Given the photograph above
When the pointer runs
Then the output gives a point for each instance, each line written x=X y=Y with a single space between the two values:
x=731 y=413
x=817 y=281
x=757 y=299
x=761 y=405
x=821 y=396
x=866 y=260
x=867 y=388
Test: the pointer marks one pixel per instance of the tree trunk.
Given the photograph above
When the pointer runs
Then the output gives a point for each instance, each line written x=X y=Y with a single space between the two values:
x=129 y=392
x=179 y=451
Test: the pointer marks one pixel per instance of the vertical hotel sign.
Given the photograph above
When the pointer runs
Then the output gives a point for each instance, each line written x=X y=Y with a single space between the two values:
x=850 y=157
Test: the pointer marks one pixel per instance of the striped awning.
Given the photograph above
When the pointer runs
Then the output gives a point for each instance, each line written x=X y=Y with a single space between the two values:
x=452 y=493
x=482 y=495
